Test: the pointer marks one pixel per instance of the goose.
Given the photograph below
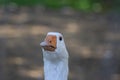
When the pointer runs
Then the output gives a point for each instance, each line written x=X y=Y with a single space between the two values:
x=55 y=57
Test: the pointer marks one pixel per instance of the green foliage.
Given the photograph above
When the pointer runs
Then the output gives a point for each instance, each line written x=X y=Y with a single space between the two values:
x=52 y=3
x=85 y=5
x=26 y=2
x=2 y=2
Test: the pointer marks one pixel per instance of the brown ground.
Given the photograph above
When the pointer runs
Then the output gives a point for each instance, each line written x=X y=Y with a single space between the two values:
x=92 y=40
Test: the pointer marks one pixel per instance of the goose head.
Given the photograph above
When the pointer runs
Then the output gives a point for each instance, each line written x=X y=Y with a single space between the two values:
x=53 y=46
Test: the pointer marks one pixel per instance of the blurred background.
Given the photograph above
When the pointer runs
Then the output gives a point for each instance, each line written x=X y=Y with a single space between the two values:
x=91 y=29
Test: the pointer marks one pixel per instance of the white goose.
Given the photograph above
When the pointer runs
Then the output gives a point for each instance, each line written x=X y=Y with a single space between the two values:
x=55 y=57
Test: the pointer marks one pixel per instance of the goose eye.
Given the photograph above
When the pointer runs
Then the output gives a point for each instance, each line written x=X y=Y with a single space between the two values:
x=60 y=38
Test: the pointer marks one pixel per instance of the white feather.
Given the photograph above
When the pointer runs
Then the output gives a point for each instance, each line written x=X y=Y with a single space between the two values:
x=56 y=63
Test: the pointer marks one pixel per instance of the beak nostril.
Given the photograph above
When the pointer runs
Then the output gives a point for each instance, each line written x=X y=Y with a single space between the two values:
x=50 y=41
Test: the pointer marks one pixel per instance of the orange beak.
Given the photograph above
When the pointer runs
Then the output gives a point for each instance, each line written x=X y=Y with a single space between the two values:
x=49 y=44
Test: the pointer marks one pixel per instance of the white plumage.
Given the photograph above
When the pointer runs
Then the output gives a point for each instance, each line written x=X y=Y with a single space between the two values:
x=55 y=57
